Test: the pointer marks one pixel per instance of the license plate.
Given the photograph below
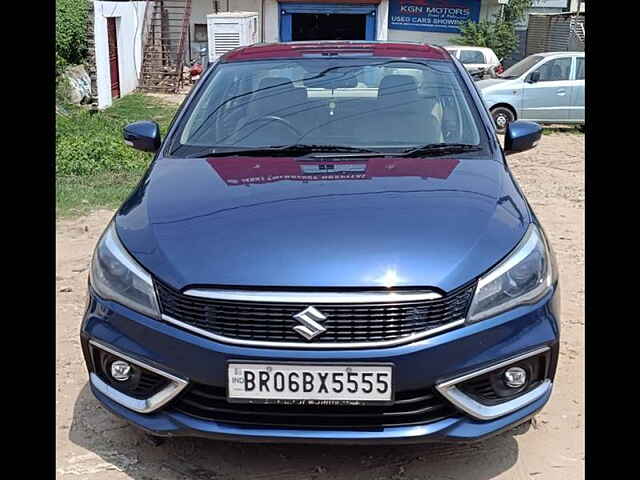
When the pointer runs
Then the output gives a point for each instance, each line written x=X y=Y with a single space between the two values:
x=301 y=384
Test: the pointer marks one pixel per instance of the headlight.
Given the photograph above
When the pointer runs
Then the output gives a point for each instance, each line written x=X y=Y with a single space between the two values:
x=525 y=276
x=116 y=276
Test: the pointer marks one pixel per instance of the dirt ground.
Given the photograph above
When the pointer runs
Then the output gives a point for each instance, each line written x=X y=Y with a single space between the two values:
x=91 y=443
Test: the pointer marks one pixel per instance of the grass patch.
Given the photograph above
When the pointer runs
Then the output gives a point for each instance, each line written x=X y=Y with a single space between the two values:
x=94 y=168
x=80 y=195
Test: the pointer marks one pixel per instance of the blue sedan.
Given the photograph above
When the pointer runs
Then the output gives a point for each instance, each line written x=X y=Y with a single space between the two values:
x=328 y=246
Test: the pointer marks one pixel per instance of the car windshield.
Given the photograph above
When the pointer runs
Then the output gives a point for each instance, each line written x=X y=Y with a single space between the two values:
x=521 y=67
x=365 y=103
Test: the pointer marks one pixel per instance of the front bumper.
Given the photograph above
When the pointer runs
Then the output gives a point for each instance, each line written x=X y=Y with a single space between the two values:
x=426 y=363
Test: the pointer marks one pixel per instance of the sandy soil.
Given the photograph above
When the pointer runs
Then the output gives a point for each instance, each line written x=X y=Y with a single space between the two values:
x=91 y=443
x=172 y=98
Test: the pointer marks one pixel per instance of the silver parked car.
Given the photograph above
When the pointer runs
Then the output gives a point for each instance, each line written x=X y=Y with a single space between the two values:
x=544 y=88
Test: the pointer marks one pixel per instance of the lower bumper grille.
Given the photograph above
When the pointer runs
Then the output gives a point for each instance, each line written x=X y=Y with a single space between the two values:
x=410 y=408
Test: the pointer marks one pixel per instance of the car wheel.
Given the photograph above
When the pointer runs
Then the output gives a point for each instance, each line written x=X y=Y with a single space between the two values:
x=502 y=116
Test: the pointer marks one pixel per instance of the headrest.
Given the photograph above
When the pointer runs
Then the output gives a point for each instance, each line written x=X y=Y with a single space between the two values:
x=270 y=82
x=333 y=80
x=398 y=85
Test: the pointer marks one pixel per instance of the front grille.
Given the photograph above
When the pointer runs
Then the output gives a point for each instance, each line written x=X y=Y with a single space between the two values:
x=409 y=408
x=345 y=323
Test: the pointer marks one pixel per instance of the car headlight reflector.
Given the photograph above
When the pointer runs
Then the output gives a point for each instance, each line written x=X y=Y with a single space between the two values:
x=115 y=275
x=525 y=276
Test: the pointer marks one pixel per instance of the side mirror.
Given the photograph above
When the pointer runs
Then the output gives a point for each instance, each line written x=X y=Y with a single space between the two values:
x=143 y=136
x=521 y=136
x=534 y=77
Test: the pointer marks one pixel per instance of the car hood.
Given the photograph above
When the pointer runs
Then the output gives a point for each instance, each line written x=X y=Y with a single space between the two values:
x=492 y=84
x=283 y=222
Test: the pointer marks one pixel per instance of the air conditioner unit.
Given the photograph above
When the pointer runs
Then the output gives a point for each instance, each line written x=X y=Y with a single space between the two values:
x=229 y=30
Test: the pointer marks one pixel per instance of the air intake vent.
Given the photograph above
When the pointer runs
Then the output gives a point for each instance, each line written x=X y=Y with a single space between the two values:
x=227 y=31
x=409 y=408
x=225 y=42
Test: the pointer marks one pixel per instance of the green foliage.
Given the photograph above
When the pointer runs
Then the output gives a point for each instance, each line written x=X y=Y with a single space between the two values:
x=71 y=32
x=89 y=144
x=516 y=10
x=63 y=91
x=94 y=168
x=498 y=34
x=81 y=195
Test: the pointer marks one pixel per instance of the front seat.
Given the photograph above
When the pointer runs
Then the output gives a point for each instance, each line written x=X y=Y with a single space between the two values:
x=556 y=72
x=403 y=115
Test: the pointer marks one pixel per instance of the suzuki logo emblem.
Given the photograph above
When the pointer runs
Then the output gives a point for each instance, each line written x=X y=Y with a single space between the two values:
x=309 y=319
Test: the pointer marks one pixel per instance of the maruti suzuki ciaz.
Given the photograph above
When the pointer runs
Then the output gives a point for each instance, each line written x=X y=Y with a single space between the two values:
x=328 y=246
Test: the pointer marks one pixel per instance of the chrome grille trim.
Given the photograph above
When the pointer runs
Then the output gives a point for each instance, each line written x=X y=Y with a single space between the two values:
x=309 y=298
x=315 y=346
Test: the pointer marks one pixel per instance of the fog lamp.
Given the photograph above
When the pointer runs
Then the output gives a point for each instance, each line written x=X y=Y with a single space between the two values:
x=120 y=371
x=515 y=377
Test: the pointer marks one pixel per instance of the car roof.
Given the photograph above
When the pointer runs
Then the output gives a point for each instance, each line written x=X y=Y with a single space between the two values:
x=266 y=51
x=551 y=54
x=467 y=47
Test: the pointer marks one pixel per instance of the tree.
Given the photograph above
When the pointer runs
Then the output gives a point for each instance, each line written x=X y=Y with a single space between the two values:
x=516 y=10
x=71 y=32
x=498 y=34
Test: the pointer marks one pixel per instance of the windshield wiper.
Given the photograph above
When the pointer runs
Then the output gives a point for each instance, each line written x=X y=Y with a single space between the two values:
x=431 y=149
x=280 y=150
x=434 y=149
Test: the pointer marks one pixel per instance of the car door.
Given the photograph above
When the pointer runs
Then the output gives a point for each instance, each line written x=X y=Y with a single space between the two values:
x=549 y=98
x=576 y=106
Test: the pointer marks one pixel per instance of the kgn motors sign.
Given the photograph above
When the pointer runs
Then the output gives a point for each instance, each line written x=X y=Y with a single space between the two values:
x=432 y=15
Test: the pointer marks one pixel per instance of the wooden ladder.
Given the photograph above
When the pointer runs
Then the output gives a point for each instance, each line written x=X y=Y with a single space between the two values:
x=165 y=47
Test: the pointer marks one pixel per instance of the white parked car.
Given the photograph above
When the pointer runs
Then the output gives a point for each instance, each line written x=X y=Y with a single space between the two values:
x=475 y=58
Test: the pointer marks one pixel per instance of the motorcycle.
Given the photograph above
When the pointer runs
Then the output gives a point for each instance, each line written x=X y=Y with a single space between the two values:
x=481 y=73
x=478 y=73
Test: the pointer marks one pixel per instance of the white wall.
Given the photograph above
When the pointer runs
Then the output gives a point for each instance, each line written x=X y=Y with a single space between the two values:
x=271 y=21
x=382 y=20
x=573 y=7
x=433 y=38
x=199 y=11
x=129 y=20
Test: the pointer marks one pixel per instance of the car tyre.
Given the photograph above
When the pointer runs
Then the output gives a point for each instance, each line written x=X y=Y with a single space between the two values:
x=502 y=116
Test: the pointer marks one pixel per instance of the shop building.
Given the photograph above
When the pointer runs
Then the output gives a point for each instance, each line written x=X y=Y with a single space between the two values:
x=148 y=44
